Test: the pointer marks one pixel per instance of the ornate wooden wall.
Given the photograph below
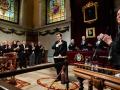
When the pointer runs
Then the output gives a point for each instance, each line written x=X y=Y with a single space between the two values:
x=32 y=37
x=104 y=24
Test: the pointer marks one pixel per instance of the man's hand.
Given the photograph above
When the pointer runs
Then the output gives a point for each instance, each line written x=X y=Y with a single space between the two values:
x=59 y=56
x=107 y=39
x=57 y=45
x=101 y=35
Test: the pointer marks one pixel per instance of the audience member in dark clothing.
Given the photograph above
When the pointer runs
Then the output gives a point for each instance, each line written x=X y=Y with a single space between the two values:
x=84 y=44
x=38 y=53
x=72 y=46
x=31 y=54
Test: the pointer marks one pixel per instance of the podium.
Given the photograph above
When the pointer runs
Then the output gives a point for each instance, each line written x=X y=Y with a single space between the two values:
x=10 y=64
x=11 y=60
x=3 y=62
x=62 y=65
x=82 y=56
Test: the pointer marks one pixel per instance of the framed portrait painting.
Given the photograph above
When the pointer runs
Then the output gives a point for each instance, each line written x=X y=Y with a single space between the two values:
x=90 y=12
x=90 y=32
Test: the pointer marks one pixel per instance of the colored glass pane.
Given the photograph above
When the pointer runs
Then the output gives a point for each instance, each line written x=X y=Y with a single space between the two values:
x=9 y=10
x=55 y=11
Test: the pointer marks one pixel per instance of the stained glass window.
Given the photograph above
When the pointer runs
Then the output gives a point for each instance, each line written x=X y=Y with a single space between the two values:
x=9 y=10
x=55 y=11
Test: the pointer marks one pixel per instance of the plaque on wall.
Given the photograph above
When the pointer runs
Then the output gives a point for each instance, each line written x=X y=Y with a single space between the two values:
x=90 y=32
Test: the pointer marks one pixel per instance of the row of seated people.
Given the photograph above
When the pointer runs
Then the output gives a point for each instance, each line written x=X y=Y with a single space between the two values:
x=27 y=54
x=85 y=46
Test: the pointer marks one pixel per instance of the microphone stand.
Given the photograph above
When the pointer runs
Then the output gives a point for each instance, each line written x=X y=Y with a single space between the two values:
x=66 y=75
x=95 y=57
x=94 y=54
x=64 y=78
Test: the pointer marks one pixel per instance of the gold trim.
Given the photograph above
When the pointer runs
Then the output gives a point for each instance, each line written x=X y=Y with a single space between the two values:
x=90 y=32
x=87 y=6
x=79 y=57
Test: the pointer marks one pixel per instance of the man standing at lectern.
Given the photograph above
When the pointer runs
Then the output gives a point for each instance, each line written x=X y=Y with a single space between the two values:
x=60 y=47
x=115 y=45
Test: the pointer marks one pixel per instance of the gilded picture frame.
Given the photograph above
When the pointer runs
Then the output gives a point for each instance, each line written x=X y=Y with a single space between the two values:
x=90 y=32
x=90 y=12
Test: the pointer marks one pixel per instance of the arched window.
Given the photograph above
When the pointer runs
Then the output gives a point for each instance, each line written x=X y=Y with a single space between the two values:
x=55 y=11
x=9 y=10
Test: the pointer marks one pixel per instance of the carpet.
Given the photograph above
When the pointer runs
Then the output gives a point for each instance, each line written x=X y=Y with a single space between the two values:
x=18 y=83
x=46 y=82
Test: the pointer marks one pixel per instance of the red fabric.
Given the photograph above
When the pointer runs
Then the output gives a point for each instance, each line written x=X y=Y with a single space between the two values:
x=87 y=54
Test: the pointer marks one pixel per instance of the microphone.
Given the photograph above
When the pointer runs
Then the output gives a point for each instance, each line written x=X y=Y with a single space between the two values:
x=109 y=54
x=96 y=50
x=99 y=37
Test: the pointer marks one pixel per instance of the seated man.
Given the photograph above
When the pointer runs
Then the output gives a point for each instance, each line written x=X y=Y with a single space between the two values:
x=72 y=45
x=84 y=44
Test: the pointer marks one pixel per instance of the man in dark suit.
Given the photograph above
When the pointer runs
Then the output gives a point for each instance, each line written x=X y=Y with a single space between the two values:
x=84 y=44
x=115 y=46
x=60 y=47
x=21 y=54
x=72 y=46
x=38 y=53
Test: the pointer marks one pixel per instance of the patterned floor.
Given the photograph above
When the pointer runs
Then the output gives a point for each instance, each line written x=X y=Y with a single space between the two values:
x=49 y=83
x=17 y=82
x=42 y=79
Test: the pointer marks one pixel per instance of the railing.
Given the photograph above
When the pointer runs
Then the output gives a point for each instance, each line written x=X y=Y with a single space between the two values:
x=97 y=76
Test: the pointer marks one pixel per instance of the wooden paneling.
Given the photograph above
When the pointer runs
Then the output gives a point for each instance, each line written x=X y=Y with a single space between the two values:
x=32 y=37
x=104 y=24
